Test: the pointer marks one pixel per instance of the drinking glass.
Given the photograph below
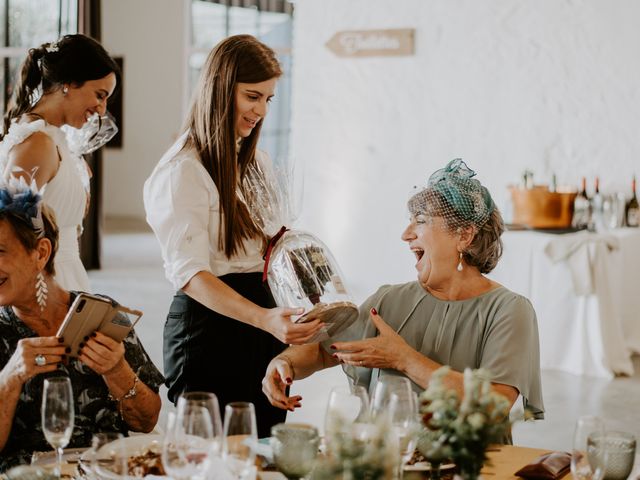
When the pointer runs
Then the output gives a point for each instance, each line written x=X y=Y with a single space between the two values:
x=189 y=443
x=240 y=437
x=107 y=456
x=588 y=459
x=347 y=405
x=208 y=401
x=57 y=415
x=621 y=453
x=295 y=448
x=385 y=387
x=403 y=414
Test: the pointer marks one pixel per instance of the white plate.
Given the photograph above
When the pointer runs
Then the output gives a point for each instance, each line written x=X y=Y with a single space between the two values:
x=426 y=467
x=134 y=445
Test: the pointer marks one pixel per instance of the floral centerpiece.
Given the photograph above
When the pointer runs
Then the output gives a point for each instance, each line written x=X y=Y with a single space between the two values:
x=361 y=451
x=460 y=429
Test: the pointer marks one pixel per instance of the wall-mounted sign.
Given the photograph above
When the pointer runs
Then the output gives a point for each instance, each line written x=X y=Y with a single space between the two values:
x=373 y=43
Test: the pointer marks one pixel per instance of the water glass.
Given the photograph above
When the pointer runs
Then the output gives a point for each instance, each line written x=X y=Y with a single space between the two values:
x=57 y=415
x=621 y=453
x=385 y=387
x=588 y=460
x=240 y=438
x=295 y=448
x=189 y=401
x=347 y=405
x=107 y=456
x=403 y=414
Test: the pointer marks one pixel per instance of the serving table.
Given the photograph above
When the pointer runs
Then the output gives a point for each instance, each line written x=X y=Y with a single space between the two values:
x=584 y=288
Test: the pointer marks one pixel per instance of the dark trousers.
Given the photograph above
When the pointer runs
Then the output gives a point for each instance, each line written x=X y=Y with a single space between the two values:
x=206 y=351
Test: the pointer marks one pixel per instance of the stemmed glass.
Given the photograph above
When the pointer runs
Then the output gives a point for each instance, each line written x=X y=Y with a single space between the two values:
x=107 y=456
x=240 y=437
x=208 y=401
x=295 y=448
x=403 y=413
x=188 y=443
x=57 y=415
x=385 y=387
x=589 y=456
x=348 y=407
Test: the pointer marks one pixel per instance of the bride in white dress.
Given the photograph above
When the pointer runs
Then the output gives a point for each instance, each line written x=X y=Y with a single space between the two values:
x=61 y=83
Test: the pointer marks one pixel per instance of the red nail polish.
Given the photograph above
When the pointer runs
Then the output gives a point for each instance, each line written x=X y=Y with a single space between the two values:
x=93 y=334
x=374 y=311
x=86 y=338
x=81 y=344
x=67 y=350
x=60 y=339
x=289 y=380
x=333 y=347
x=335 y=355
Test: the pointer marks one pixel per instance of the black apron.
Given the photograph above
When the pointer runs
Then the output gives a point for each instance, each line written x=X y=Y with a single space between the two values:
x=206 y=351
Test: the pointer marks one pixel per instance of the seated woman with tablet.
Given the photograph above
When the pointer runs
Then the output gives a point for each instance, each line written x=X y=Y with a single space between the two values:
x=115 y=384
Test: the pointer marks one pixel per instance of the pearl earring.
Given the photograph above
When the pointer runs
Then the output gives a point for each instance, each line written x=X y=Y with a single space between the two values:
x=460 y=263
x=65 y=89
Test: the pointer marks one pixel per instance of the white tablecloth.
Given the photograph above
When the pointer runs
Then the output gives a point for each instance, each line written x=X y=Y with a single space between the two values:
x=587 y=301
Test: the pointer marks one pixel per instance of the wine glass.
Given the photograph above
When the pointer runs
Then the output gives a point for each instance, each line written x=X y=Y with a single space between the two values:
x=240 y=437
x=295 y=448
x=209 y=401
x=107 y=456
x=589 y=455
x=385 y=387
x=57 y=415
x=188 y=444
x=403 y=413
x=347 y=405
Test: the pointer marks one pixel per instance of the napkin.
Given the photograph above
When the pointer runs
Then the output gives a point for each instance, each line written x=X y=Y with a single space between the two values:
x=549 y=466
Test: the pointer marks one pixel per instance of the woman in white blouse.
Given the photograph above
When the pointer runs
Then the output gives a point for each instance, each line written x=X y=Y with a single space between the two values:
x=223 y=327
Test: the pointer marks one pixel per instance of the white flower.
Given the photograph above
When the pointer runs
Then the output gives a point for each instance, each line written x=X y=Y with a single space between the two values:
x=476 y=420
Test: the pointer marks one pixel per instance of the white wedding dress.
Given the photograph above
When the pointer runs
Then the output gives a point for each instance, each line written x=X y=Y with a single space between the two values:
x=66 y=194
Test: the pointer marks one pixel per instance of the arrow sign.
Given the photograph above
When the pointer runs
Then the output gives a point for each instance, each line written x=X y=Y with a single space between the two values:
x=373 y=43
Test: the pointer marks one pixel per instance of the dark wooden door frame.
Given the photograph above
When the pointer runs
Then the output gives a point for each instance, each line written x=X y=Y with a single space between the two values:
x=90 y=242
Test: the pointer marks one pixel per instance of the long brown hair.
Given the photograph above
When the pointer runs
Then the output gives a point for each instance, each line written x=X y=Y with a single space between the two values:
x=74 y=59
x=211 y=130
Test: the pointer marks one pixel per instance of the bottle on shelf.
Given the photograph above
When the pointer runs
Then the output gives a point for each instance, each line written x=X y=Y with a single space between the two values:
x=632 y=210
x=581 y=208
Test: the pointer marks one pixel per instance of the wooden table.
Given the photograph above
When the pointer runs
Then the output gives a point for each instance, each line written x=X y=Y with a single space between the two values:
x=508 y=459
x=505 y=461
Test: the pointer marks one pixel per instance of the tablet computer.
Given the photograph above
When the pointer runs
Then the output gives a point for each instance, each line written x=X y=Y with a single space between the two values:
x=89 y=313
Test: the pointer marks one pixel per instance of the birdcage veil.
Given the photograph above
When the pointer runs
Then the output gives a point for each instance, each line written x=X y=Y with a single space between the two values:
x=453 y=194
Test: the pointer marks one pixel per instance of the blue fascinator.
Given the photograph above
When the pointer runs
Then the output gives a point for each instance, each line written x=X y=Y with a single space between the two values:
x=23 y=200
x=454 y=194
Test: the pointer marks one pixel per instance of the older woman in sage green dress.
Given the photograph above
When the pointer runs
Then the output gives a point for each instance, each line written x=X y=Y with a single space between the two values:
x=452 y=315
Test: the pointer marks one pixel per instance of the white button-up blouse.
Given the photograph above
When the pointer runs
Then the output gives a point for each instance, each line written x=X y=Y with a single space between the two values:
x=182 y=206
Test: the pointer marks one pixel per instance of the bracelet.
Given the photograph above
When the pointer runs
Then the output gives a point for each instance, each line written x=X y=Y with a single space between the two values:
x=132 y=392
x=288 y=360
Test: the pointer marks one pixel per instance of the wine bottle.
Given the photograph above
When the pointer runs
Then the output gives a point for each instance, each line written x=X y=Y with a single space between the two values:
x=597 y=216
x=581 y=208
x=632 y=210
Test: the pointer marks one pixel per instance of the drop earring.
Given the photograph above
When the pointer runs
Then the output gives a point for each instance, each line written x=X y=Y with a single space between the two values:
x=41 y=291
x=65 y=89
x=460 y=263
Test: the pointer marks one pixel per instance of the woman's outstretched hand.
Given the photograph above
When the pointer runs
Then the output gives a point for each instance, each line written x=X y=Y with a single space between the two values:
x=278 y=323
x=387 y=350
x=275 y=382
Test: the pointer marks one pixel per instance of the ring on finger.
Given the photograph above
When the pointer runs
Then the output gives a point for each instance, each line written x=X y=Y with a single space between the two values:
x=40 y=360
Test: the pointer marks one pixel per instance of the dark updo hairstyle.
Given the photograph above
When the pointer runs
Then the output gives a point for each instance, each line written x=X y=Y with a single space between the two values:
x=74 y=59
x=28 y=237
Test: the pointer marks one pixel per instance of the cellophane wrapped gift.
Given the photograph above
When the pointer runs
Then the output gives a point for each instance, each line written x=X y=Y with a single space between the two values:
x=300 y=269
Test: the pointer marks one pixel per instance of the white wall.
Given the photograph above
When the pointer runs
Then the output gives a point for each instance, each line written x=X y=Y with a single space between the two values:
x=149 y=34
x=548 y=85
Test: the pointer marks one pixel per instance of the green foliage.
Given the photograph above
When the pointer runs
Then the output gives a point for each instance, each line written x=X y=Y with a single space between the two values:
x=460 y=429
